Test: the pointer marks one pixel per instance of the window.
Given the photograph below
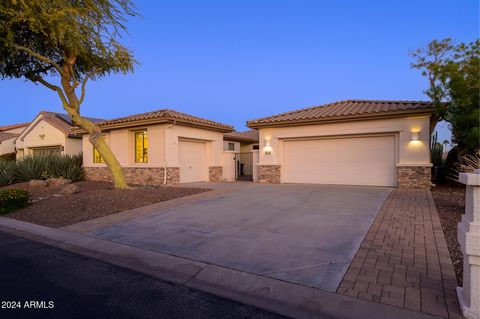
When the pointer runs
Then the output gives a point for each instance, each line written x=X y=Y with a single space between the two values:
x=97 y=158
x=141 y=147
x=47 y=151
x=231 y=146
x=255 y=147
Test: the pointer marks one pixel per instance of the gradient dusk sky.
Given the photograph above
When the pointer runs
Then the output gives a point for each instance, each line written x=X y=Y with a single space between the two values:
x=231 y=61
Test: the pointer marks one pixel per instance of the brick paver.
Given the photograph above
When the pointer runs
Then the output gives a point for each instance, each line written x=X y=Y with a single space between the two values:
x=403 y=260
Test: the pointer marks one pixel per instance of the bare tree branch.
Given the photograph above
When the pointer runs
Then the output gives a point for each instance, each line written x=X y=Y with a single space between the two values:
x=36 y=78
x=84 y=83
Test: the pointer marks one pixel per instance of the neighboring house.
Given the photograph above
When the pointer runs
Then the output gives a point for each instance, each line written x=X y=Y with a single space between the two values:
x=50 y=133
x=351 y=142
x=148 y=145
x=8 y=134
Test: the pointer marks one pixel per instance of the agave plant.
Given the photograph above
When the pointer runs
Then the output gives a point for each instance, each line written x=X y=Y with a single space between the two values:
x=466 y=164
x=49 y=166
x=7 y=169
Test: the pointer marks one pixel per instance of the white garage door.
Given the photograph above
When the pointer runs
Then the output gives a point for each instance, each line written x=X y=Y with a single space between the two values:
x=193 y=164
x=344 y=161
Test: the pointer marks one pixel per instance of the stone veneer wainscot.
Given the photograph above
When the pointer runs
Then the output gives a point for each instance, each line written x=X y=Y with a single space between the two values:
x=414 y=177
x=269 y=174
x=136 y=175
x=215 y=174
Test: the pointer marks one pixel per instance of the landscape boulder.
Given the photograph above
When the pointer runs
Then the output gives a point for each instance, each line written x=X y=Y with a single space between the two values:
x=34 y=183
x=57 y=182
x=70 y=189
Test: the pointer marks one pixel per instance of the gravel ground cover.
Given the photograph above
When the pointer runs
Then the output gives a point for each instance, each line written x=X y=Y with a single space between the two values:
x=450 y=203
x=95 y=199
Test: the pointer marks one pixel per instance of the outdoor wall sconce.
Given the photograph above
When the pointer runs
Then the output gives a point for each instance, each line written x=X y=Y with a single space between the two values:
x=415 y=136
x=267 y=149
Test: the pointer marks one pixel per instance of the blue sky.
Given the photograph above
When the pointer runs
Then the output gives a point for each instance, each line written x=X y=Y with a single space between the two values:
x=231 y=61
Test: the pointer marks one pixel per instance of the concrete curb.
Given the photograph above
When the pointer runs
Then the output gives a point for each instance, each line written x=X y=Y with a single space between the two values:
x=281 y=297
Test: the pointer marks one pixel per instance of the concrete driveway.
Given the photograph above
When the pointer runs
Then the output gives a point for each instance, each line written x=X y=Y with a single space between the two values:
x=306 y=234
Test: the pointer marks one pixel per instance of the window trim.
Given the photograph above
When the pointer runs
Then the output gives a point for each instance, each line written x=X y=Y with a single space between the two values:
x=144 y=153
x=95 y=151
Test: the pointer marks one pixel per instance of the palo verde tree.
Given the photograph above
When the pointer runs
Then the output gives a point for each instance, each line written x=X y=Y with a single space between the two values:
x=453 y=73
x=71 y=42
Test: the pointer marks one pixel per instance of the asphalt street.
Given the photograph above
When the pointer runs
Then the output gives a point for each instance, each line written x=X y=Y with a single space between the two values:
x=39 y=281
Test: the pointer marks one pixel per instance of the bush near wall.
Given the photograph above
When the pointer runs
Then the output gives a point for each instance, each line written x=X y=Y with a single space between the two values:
x=8 y=157
x=41 y=167
x=12 y=199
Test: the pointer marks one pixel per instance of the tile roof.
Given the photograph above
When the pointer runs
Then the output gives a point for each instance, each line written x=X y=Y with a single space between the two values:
x=7 y=136
x=13 y=126
x=164 y=116
x=63 y=122
x=346 y=110
x=247 y=136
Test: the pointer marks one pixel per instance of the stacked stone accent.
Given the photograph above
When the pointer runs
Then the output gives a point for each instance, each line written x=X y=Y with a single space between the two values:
x=135 y=175
x=215 y=173
x=414 y=177
x=269 y=174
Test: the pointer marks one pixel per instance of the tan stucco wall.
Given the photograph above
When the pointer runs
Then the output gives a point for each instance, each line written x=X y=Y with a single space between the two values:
x=415 y=153
x=163 y=147
x=43 y=134
x=7 y=146
x=237 y=146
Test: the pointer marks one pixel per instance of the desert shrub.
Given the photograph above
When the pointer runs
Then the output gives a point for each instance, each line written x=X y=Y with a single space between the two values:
x=49 y=166
x=12 y=199
x=8 y=157
x=30 y=167
x=7 y=171
x=66 y=166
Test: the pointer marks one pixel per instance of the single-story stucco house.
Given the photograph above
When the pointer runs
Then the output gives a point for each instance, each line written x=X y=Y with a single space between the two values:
x=8 y=134
x=351 y=142
x=49 y=133
x=163 y=146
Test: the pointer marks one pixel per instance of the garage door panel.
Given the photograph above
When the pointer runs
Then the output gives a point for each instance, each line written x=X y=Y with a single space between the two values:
x=343 y=161
x=193 y=164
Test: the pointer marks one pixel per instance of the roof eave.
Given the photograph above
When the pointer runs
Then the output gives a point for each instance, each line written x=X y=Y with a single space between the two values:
x=338 y=119
x=139 y=123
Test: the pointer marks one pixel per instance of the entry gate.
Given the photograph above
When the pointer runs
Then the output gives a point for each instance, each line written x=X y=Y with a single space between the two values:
x=244 y=166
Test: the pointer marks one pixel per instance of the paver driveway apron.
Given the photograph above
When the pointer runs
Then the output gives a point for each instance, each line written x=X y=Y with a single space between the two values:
x=306 y=234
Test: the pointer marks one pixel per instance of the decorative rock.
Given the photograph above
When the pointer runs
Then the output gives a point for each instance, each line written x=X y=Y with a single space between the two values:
x=57 y=182
x=34 y=183
x=70 y=189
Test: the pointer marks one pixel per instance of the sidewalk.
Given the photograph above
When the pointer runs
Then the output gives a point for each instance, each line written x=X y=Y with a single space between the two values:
x=404 y=260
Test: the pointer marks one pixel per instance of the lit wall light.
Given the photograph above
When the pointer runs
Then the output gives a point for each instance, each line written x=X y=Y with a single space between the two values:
x=267 y=149
x=415 y=136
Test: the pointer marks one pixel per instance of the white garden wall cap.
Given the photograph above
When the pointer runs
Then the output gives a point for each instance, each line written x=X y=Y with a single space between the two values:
x=346 y=110
x=471 y=179
x=162 y=116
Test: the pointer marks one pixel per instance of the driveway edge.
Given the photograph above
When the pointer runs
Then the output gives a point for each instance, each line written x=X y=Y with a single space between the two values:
x=278 y=296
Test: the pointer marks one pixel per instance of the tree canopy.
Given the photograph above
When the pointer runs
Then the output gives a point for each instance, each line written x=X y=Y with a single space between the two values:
x=453 y=72
x=75 y=40
x=38 y=38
